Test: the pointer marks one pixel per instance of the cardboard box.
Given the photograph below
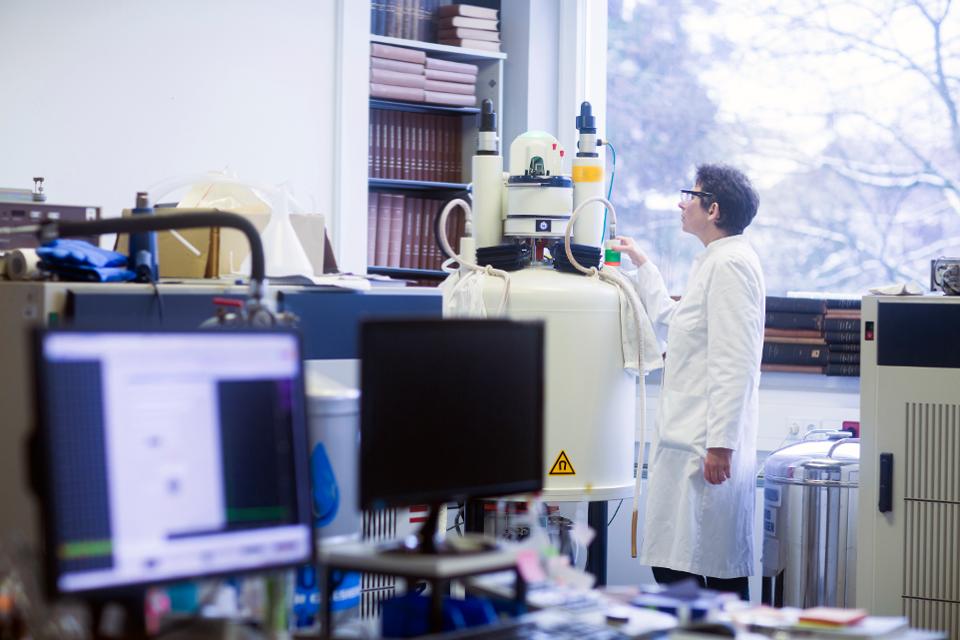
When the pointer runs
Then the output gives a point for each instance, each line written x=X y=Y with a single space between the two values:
x=223 y=250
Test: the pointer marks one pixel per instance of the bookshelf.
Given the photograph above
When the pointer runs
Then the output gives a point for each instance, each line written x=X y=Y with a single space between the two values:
x=416 y=185
x=447 y=52
x=434 y=192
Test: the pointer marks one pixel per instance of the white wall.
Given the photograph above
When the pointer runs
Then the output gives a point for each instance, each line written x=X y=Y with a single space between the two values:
x=556 y=59
x=530 y=30
x=105 y=98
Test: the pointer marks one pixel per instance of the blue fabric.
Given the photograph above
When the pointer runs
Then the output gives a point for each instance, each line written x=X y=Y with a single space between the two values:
x=79 y=252
x=80 y=260
x=90 y=274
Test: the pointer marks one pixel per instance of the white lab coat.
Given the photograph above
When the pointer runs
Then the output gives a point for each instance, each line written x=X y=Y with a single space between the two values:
x=709 y=398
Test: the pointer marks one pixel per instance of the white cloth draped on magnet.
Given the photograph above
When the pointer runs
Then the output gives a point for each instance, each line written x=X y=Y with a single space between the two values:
x=637 y=335
x=463 y=295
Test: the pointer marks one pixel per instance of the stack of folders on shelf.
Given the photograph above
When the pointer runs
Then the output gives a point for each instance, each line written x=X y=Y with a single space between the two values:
x=397 y=73
x=464 y=25
x=812 y=335
x=414 y=146
x=408 y=19
x=400 y=231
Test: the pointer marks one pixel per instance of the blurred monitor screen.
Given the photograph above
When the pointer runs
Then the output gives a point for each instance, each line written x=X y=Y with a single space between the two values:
x=450 y=409
x=170 y=455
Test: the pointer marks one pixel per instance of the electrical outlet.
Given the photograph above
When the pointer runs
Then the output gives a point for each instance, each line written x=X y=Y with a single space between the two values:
x=798 y=427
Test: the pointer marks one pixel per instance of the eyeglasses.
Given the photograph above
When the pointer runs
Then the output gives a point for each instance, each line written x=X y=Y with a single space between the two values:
x=687 y=195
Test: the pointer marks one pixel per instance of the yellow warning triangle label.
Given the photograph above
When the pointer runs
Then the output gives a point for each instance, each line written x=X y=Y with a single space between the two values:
x=562 y=466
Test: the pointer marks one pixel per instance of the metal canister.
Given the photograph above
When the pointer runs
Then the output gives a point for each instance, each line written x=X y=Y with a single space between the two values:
x=810 y=523
x=333 y=412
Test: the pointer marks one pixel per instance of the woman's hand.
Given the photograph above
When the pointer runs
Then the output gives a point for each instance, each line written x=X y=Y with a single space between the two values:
x=627 y=245
x=716 y=465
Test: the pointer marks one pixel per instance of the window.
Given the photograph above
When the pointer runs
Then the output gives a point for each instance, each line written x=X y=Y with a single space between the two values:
x=843 y=113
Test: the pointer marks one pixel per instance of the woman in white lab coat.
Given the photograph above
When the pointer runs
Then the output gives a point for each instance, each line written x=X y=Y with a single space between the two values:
x=702 y=468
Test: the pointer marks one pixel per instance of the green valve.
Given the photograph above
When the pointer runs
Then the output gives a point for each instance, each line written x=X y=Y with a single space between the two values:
x=611 y=257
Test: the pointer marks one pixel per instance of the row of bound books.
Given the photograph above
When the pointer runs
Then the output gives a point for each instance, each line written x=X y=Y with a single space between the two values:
x=398 y=73
x=459 y=25
x=400 y=231
x=812 y=335
x=409 y=19
x=414 y=146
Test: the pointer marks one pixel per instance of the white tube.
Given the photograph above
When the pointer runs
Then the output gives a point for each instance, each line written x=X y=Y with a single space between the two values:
x=637 y=487
x=588 y=182
x=22 y=264
x=487 y=198
x=573 y=218
x=467 y=263
x=636 y=304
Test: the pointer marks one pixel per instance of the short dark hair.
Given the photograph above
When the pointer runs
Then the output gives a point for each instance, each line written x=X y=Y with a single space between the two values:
x=734 y=194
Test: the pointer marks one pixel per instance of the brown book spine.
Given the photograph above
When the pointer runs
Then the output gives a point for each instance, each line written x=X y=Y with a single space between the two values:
x=385 y=144
x=416 y=210
x=426 y=258
x=791 y=368
x=789 y=320
x=405 y=152
x=449 y=87
x=482 y=45
x=431 y=223
x=442 y=149
x=465 y=22
x=788 y=353
x=460 y=33
x=450 y=65
x=415 y=68
x=420 y=172
x=791 y=333
x=391 y=92
x=457 y=175
x=395 y=244
x=432 y=148
x=406 y=237
x=450 y=76
x=394 y=172
x=378 y=50
x=384 y=209
x=841 y=324
x=452 y=99
x=469 y=10
x=398 y=78
x=372 y=203
x=371 y=142
x=377 y=116
x=422 y=238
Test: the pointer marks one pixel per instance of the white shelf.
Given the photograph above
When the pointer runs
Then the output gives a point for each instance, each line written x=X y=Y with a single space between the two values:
x=449 y=53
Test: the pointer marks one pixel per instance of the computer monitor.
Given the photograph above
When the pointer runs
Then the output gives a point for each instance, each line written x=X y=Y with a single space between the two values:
x=170 y=455
x=450 y=409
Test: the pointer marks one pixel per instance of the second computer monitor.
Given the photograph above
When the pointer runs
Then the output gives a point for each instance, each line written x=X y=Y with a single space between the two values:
x=450 y=409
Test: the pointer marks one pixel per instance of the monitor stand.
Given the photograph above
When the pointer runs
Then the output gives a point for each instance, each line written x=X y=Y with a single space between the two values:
x=208 y=629
x=119 y=613
x=431 y=540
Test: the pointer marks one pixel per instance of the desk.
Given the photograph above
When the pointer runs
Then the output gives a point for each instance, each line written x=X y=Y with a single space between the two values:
x=436 y=569
x=329 y=323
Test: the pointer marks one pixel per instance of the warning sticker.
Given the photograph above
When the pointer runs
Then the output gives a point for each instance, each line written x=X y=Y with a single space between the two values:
x=562 y=466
